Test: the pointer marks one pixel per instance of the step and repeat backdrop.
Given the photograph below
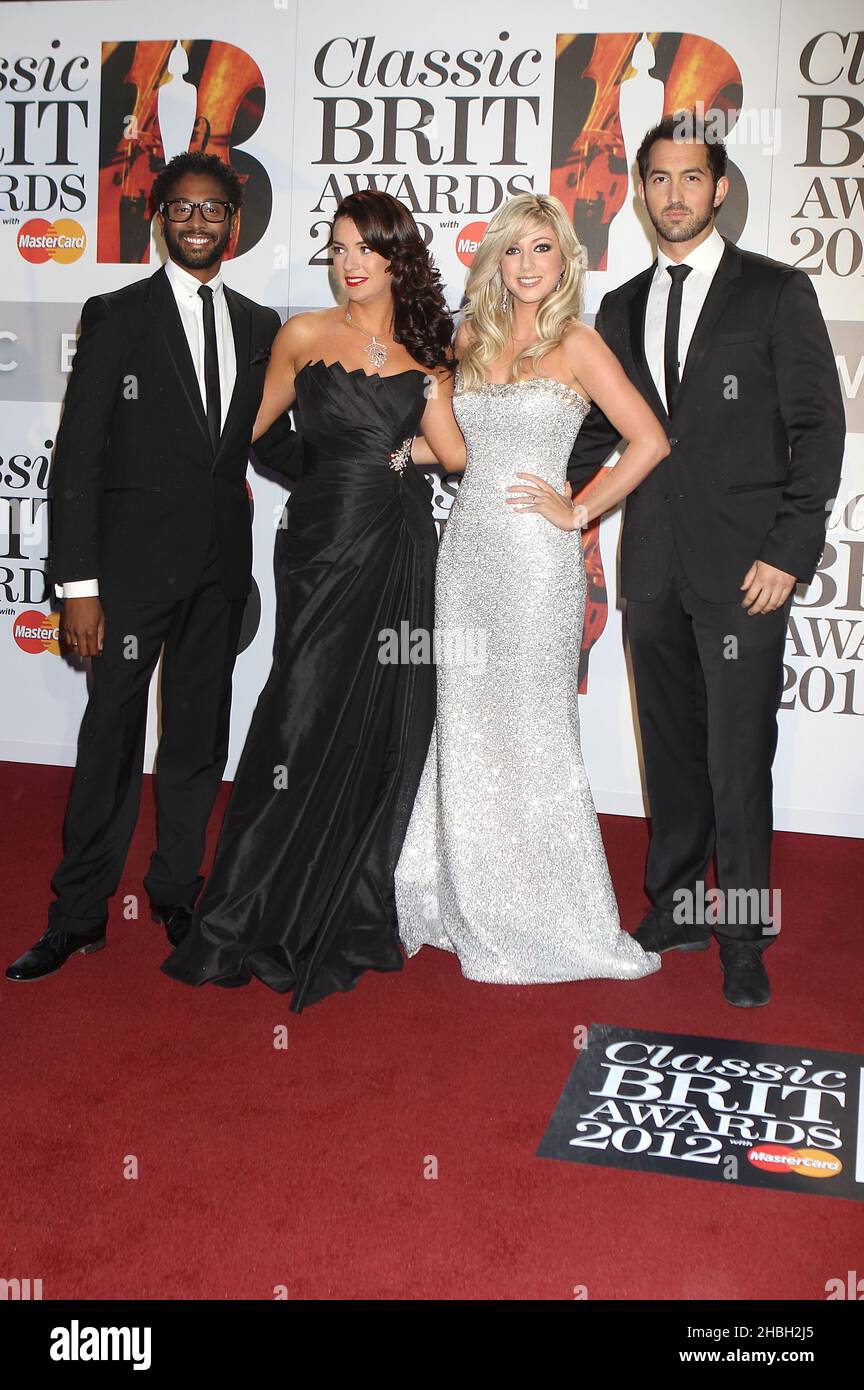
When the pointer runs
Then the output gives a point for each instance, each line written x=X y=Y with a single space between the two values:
x=453 y=109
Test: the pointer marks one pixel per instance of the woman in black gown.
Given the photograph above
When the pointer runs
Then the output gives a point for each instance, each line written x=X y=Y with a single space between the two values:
x=301 y=894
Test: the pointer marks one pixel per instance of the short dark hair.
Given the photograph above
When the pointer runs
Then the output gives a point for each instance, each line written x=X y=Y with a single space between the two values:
x=196 y=162
x=683 y=126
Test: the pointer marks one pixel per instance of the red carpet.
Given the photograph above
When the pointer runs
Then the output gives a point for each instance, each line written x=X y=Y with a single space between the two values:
x=303 y=1167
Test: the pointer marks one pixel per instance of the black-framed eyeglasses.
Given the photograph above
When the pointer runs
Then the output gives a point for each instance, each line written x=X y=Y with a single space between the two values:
x=181 y=209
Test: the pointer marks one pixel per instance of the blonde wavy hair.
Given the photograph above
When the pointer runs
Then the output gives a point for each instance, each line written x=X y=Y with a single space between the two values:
x=489 y=321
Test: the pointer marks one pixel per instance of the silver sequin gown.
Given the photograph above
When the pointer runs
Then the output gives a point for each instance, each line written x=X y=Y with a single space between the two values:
x=503 y=861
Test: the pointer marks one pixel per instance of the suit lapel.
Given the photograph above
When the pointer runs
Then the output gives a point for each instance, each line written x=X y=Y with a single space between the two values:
x=716 y=301
x=241 y=326
x=163 y=306
x=637 y=309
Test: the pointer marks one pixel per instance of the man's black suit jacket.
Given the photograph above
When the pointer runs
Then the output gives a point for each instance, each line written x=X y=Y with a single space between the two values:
x=137 y=487
x=757 y=433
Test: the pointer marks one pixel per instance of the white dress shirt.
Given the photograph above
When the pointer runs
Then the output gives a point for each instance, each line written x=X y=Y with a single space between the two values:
x=191 y=307
x=704 y=260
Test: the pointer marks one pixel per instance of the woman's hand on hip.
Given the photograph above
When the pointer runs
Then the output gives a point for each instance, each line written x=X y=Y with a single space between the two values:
x=540 y=498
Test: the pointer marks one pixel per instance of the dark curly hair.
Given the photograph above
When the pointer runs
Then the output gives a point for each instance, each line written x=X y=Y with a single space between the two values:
x=196 y=162
x=422 y=321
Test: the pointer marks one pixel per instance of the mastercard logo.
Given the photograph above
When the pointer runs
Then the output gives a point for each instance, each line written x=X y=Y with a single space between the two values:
x=37 y=632
x=468 y=240
x=62 y=241
x=807 y=1163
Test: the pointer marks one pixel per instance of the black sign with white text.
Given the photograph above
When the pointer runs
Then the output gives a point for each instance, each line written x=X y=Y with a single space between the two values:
x=784 y=1118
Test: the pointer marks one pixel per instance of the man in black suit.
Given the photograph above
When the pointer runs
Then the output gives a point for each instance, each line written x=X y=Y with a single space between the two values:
x=152 y=547
x=731 y=351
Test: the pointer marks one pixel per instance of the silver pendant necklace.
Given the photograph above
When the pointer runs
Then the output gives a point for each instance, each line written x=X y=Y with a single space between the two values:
x=375 y=351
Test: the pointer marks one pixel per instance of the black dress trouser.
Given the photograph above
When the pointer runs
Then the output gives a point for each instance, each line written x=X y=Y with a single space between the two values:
x=200 y=634
x=709 y=679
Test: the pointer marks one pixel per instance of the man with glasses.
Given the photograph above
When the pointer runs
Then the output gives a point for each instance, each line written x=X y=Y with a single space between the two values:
x=152 y=548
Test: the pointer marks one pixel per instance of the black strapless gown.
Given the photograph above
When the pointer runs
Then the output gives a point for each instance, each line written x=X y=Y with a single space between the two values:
x=302 y=889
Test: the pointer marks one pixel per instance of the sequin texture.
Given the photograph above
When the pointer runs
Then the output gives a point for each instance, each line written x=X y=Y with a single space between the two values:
x=503 y=861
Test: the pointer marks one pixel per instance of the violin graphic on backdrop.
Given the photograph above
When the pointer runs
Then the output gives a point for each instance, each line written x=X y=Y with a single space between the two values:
x=591 y=163
x=208 y=96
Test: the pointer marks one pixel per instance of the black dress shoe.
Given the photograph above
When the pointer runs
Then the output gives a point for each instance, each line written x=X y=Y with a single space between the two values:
x=660 y=932
x=53 y=950
x=176 y=919
x=745 y=979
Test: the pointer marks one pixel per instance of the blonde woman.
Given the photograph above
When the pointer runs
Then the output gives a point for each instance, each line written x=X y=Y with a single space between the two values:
x=503 y=861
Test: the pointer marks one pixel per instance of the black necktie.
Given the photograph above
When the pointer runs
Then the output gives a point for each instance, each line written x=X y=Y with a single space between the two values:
x=679 y=274
x=211 y=368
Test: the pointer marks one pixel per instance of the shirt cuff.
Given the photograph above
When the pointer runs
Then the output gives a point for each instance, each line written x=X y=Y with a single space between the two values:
x=78 y=588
